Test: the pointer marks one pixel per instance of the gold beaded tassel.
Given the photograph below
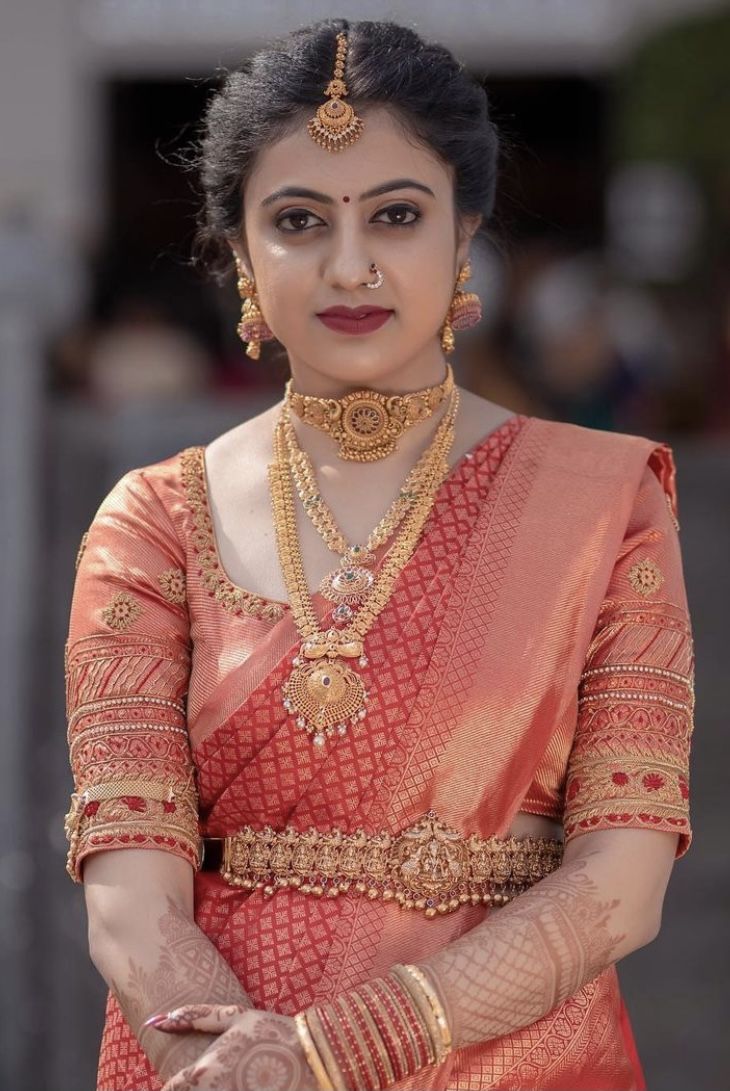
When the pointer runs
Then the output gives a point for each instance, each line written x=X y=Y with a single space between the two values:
x=335 y=124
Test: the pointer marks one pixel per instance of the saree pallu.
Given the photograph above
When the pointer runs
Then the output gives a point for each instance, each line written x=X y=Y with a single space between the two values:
x=536 y=655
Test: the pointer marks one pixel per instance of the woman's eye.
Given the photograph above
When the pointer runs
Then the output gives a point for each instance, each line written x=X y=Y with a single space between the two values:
x=296 y=218
x=399 y=211
x=397 y=217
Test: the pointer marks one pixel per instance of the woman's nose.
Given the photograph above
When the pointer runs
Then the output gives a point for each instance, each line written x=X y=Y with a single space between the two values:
x=348 y=261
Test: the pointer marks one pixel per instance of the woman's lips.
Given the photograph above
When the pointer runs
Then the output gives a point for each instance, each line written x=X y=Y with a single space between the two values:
x=353 y=324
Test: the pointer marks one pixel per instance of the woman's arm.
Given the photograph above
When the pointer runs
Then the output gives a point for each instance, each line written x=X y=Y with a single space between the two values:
x=526 y=958
x=521 y=962
x=145 y=944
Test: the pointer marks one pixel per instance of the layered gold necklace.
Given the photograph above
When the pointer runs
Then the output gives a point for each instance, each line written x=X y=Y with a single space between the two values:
x=323 y=692
x=347 y=584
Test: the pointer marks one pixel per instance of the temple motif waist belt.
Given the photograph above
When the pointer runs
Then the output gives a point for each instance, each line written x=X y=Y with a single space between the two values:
x=428 y=866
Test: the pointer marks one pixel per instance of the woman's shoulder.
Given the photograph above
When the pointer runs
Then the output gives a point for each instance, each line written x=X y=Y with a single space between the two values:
x=593 y=449
x=160 y=483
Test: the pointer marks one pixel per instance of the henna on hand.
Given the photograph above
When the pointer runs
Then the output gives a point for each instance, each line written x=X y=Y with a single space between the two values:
x=257 y=1051
x=185 y=968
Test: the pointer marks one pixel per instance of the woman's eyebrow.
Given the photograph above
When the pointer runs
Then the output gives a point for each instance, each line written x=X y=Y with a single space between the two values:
x=314 y=195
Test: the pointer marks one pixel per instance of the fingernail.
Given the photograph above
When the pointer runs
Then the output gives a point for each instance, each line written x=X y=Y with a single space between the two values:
x=155 y=1020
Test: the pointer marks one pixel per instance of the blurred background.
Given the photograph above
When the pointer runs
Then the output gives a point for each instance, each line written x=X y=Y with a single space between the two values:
x=606 y=303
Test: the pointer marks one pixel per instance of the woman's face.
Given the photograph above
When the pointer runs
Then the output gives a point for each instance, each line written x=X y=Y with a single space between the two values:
x=310 y=252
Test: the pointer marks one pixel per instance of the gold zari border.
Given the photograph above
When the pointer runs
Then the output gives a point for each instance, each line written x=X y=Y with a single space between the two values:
x=429 y=866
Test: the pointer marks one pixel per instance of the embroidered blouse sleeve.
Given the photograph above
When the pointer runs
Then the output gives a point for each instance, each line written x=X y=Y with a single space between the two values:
x=127 y=664
x=629 y=763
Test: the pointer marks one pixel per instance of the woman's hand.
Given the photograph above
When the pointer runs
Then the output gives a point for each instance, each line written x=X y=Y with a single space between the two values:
x=256 y=1050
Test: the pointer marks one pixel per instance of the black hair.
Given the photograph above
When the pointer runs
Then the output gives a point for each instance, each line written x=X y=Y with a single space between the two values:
x=424 y=86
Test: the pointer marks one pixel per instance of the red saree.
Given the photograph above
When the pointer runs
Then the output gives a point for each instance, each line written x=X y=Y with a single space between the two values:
x=536 y=655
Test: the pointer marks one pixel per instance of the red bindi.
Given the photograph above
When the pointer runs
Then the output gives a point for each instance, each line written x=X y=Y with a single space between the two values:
x=345 y=198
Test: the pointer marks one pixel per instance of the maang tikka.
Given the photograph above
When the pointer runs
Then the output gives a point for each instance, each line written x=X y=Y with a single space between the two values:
x=335 y=124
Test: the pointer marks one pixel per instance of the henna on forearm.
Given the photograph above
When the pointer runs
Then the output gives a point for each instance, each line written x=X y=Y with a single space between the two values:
x=176 y=964
x=529 y=956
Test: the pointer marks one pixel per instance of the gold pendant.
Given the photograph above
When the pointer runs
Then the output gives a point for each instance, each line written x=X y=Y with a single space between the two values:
x=346 y=585
x=325 y=693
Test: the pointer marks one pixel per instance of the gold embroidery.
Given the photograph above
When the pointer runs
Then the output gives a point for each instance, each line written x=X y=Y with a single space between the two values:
x=133 y=813
x=673 y=517
x=82 y=549
x=645 y=577
x=629 y=764
x=429 y=866
x=234 y=599
x=172 y=585
x=129 y=747
x=121 y=611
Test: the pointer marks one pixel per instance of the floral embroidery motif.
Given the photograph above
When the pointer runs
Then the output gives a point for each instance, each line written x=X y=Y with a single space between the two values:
x=121 y=611
x=82 y=549
x=172 y=585
x=234 y=599
x=645 y=577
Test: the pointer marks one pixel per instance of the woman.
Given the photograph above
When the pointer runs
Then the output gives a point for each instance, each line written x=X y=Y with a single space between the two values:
x=441 y=781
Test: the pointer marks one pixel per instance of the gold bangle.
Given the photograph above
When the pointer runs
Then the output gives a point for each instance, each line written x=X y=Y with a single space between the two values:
x=423 y=1009
x=321 y=1042
x=310 y=1052
x=433 y=999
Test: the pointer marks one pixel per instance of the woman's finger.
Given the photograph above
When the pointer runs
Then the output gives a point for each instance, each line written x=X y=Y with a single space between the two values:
x=209 y=1018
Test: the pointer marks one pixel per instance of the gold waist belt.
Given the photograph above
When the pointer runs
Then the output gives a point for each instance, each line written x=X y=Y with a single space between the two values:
x=428 y=866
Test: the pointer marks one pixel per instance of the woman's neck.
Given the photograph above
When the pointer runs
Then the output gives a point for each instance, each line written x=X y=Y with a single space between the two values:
x=415 y=374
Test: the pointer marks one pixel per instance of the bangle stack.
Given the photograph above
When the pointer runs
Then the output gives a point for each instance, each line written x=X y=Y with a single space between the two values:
x=377 y=1034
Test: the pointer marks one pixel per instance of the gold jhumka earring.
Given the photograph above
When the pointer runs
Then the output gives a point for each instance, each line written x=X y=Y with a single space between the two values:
x=464 y=311
x=252 y=328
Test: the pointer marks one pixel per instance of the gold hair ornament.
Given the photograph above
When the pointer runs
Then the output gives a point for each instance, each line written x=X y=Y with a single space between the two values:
x=335 y=124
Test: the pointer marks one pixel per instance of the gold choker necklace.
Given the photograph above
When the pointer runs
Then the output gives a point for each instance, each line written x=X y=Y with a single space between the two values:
x=366 y=424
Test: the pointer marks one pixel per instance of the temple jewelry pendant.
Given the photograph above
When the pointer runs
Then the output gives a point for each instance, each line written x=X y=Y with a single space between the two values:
x=347 y=585
x=323 y=692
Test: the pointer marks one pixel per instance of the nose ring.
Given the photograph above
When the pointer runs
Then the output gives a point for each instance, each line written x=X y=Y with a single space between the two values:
x=379 y=278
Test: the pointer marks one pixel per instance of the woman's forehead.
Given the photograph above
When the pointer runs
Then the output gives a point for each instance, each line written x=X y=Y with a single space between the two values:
x=382 y=152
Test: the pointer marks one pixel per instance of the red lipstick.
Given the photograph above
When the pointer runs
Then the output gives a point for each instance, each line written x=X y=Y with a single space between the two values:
x=364 y=319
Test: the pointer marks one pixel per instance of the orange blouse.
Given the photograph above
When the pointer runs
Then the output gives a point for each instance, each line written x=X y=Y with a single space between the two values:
x=157 y=629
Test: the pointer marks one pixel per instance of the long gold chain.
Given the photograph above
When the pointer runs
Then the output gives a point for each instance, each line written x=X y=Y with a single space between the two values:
x=320 y=514
x=323 y=692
